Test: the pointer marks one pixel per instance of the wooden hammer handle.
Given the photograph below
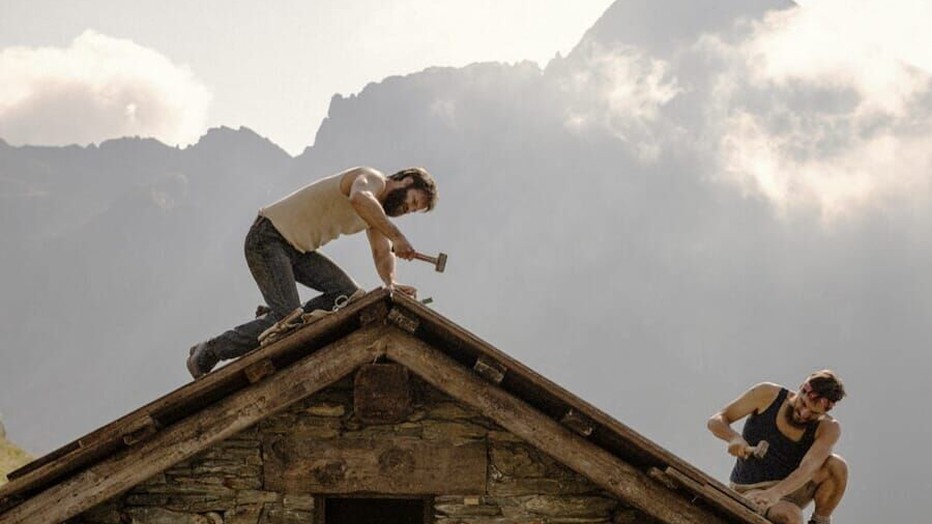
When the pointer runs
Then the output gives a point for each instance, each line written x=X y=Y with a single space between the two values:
x=426 y=258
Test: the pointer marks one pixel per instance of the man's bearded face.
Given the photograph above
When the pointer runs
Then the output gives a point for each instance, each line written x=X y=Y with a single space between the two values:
x=806 y=408
x=394 y=202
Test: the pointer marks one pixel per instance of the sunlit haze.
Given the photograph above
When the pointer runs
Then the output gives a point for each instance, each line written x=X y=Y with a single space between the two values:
x=273 y=67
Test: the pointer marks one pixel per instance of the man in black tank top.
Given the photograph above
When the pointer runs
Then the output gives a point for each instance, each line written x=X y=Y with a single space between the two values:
x=798 y=466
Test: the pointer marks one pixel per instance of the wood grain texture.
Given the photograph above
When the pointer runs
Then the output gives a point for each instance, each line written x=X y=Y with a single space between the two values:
x=604 y=469
x=186 y=438
x=382 y=393
x=745 y=509
x=396 y=466
x=633 y=441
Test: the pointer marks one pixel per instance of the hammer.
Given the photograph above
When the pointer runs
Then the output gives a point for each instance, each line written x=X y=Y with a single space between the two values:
x=439 y=262
x=759 y=450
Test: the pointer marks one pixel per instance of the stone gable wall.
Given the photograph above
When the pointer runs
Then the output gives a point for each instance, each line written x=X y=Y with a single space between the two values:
x=227 y=484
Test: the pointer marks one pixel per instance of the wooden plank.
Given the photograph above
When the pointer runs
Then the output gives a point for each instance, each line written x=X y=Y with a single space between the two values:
x=394 y=466
x=382 y=393
x=660 y=457
x=662 y=478
x=578 y=422
x=744 y=509
x=186 y=438
x=490 y=370
x=404 y=321
x=587 y=459
x=376 y=313
x=107 y=439
x=33 y=465
x=259 y=370
x=147 y=427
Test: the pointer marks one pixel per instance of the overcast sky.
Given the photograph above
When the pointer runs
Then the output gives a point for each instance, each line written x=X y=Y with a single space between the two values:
x=820 y=116
x=98 y=69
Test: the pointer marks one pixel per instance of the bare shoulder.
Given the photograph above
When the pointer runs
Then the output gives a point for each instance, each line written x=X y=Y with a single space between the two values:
x=765 y=389
x=762 y=394
x=362 y=177
x=754 y=400
x=366 y=171
x=828 y=428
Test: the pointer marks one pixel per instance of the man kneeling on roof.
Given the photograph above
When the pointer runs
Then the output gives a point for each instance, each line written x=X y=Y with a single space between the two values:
x=798 y=465
x=282 y=248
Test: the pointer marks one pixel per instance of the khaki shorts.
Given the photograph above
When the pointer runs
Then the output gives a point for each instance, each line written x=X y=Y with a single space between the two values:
x=801 y=497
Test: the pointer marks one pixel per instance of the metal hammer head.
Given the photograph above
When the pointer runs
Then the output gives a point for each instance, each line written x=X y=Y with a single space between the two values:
x=441 y=262
x=760 y=449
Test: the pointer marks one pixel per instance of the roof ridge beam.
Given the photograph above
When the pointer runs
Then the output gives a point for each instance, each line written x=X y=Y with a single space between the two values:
x=550 y=436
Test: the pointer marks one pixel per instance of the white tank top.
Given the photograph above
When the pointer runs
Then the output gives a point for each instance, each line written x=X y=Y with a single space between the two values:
x=314 y=215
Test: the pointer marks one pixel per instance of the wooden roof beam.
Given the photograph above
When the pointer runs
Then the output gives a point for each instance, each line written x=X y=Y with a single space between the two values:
x=191 y=435
x=544 y=433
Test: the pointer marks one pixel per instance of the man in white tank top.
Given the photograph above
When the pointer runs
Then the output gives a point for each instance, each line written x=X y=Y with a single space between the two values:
x=282 y=248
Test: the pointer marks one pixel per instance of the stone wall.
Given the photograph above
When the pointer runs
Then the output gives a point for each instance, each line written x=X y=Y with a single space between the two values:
x=229 y=483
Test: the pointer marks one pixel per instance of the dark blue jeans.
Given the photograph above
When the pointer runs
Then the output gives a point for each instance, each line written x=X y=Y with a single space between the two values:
x=277 y=266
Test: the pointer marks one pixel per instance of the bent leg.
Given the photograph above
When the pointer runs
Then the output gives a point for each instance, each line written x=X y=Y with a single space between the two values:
x=270 y=259
x=831 y=481
x=318 y=272
x=783 y=512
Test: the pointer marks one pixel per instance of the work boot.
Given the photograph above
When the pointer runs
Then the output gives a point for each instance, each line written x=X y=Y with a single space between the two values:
x=195 y=356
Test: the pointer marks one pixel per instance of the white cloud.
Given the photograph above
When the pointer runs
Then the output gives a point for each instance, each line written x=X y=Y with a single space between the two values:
x=896 y=27
x=623 y=91
x=878 y=170
x=816 y=115
x=98 y=88
x=811 y=47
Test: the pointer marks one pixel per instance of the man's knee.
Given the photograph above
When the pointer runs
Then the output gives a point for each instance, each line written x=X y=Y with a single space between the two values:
x=835 y=468
x=351 y=289
x=341 y=295
x=785 y=513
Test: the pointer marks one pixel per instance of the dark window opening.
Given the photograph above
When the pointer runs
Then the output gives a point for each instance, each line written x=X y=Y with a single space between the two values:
x=375 y=511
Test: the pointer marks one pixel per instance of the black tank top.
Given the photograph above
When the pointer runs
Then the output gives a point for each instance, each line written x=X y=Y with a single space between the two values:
x=783 y=456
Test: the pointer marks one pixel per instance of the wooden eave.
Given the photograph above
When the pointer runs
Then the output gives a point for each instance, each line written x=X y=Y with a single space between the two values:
x=182 y=423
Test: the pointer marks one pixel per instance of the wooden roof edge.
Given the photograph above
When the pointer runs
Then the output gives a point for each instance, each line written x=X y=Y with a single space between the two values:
x=116 y=473
x=637 y=487
x=108 y=438
x=376 y=305
x=663 y=458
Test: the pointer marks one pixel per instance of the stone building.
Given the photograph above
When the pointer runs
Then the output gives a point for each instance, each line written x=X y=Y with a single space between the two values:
x=383 y=412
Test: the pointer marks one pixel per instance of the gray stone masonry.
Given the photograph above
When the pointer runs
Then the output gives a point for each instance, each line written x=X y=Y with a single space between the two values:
x=224 y=484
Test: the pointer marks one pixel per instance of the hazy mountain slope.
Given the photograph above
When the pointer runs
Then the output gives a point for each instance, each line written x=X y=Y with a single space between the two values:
x=659 y=27
x=145 y=253
x=592 y=227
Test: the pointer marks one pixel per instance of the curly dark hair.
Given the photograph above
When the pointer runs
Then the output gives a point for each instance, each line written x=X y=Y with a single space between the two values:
x=421 y=180
x=826 y=384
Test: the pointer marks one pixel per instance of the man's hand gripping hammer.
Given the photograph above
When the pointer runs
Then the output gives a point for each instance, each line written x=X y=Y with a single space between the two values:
x=439 y=262
x=759 y=450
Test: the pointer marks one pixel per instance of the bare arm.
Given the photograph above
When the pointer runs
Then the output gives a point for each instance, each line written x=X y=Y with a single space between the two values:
x=363 y=196
x=382 y=256
x=385 y=262
x=753 y=400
